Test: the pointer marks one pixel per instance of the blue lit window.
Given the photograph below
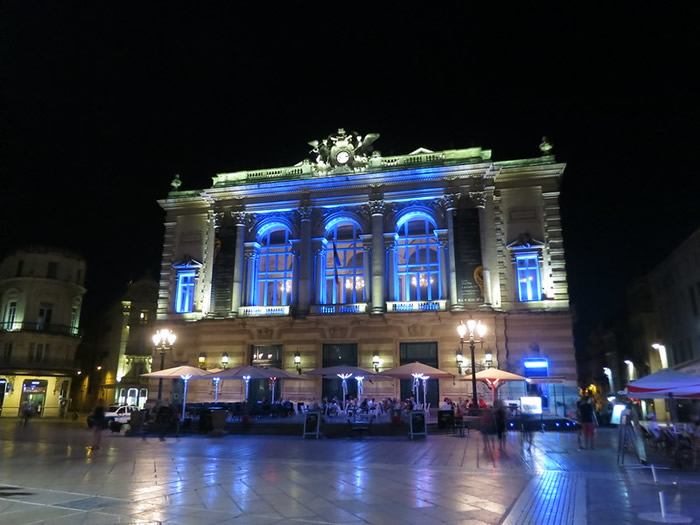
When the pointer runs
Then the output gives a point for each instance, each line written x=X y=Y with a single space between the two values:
x=344 y=268
x=527 y=268
x=274 y=275
x=418 y=260
x=184 y=299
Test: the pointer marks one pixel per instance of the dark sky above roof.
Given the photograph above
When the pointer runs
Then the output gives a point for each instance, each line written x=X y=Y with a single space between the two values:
x=102 y=103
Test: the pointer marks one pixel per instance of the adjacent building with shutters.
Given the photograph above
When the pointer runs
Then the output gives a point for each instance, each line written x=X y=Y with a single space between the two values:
x=353 y=257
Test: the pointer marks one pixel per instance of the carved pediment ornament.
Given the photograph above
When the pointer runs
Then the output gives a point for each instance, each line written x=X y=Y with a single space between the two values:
x=264 y=333
x=338 y=332
x=416 y=330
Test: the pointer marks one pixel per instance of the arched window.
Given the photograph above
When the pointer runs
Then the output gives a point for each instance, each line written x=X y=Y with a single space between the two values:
x=275 y=263
x=344 y=278
x=418 y=260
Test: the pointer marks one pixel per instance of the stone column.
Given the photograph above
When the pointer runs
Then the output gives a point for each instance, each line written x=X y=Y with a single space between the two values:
x=378 y=255
x=239 y=218
x=251 y=265
x=486 y=241
x=444 y=263
x=366 y=265
x=305 y=260
x=450 y=203
x=390 y=249
x=318 y=286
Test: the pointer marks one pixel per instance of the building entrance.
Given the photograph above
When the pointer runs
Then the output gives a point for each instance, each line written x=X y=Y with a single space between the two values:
x=34 y=394
x=426 y=353
x=260 y=390
x=3 y=386
x=333 y=355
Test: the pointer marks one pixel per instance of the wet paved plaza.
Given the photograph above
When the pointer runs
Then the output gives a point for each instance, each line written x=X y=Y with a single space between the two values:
x=49 y=475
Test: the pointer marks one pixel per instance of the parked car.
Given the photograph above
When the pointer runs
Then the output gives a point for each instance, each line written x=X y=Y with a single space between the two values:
x=115 y=413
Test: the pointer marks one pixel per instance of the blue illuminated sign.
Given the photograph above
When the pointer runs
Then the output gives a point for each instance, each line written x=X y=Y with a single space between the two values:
x=536 y=366
x=536 y=363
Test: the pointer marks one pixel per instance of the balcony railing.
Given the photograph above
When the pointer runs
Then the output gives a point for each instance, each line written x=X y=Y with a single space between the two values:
x=416 y=306
x=262 y=311
x=324 y=309
x=37 y=326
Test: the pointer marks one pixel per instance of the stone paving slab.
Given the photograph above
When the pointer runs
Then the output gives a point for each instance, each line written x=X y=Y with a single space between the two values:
x=52 y=477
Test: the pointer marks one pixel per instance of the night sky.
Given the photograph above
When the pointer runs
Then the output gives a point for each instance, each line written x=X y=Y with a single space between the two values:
x=101 y=104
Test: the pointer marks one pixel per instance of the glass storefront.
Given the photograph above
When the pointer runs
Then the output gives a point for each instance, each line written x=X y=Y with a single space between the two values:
x=34 y=395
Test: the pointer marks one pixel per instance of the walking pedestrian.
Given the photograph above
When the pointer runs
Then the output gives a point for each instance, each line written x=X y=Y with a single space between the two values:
x=26 y=412
x=98 y=423
x=499 y=416
x=588 y=421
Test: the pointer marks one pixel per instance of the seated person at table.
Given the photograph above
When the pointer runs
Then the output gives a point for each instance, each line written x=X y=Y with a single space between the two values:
x=654 y=427
x=446 y=405
x=364 y=406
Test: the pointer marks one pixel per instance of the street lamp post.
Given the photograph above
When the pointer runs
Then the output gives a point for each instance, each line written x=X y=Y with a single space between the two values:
x=462 y=330
x=163 y=340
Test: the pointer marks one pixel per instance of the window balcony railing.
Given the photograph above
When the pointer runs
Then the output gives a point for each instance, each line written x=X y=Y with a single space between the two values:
x=262 y=311
x=325 y=309
x=38 y=326
x=416 y=306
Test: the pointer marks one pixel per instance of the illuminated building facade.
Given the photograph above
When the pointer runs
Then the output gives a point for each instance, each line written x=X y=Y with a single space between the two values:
x=41 y=295
x=352 y=257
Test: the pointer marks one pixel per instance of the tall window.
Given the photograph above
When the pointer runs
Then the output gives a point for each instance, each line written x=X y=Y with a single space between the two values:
x=344 y=271
x=75 y=316
x=38 y=352
x=418 y=260
x=7 y=352
x=184 y=299
x=52 y=270
x=43 y=320
x=274 y=279
x=527 y=268
x=10 y=316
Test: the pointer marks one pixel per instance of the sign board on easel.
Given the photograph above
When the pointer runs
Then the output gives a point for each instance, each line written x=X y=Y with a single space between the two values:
x=416 y=424
x=312 y=424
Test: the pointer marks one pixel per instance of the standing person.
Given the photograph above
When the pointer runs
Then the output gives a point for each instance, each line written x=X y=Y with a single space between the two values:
x=26 y=412
x=499 y=416
x=488 y=427
x=164 y=417
x=587 y=415
x=98 y=423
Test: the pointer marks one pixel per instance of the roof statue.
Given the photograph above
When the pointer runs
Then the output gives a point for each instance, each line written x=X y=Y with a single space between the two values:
x=176 y=183
x=546 y=146
x=343 y=150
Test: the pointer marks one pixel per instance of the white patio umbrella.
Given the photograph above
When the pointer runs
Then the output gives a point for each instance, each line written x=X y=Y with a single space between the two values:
x=248 y=372
x=418 y=372
x=495 y=378
x=344 y=372
x=183 y=372
x=663 y=383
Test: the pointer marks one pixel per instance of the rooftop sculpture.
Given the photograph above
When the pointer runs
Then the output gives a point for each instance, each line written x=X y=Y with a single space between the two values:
x=343 y=150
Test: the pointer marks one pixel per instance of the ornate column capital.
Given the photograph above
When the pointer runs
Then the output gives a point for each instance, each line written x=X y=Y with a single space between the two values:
x=377 y=207
x=240 y=217
x=450 y=200
x=305 y=212
x=479 y=198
